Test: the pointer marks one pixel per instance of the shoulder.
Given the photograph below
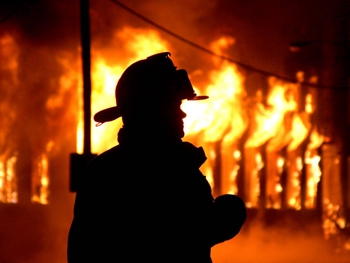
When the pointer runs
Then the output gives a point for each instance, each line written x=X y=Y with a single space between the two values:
x=110 y=153
x=193 y=153
x=110 y=156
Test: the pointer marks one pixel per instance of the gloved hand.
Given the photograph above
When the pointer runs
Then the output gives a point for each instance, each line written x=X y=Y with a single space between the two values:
x=228 y=216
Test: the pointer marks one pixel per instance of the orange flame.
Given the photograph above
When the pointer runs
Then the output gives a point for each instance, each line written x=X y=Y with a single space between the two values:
x=140 y=43
x=222 y=119
x=9 y=52
x=218 y=123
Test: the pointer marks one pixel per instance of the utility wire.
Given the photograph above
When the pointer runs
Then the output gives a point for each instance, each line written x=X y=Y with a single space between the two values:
x=196 y=45
x=263 y=72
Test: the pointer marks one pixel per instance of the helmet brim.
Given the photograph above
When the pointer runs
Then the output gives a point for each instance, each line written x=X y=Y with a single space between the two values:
x=109 y=114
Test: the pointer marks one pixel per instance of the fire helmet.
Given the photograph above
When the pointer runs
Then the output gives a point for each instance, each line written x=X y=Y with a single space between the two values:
x=146 y=82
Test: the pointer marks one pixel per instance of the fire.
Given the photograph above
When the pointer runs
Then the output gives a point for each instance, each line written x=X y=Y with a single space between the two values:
x=312 y=160
x=38 y=147
x=268 y=120
x=220 y=120
x=104 y=81
x=218 y=123
x=139 y=43
x=222 y=114
x=264 y=131
x=225 y=91
x=40 y=179
x=8 y=193
x=9 y=52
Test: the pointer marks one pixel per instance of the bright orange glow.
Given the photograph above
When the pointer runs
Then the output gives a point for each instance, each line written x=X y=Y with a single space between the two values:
x=313 y=178
x=8 y=187
x=218 y=124
x=220 y=119
x=9 y=52
x=40 y=179
x=222 y=115
x=312 y=160
x=140 y=43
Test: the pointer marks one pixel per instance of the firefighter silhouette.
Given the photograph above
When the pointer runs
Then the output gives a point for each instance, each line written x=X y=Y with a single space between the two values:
x=146 y=199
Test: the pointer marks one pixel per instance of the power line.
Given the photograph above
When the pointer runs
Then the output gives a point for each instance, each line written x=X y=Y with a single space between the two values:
x=263 y=72
x=196 y=45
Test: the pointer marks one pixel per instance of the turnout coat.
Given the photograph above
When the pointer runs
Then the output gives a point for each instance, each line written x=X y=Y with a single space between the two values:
x=148 y=202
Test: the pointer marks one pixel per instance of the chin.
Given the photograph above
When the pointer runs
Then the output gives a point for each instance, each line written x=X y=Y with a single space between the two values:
x=179 y=134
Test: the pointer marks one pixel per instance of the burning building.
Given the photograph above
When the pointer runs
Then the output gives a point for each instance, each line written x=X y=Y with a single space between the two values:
x=279 y=143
